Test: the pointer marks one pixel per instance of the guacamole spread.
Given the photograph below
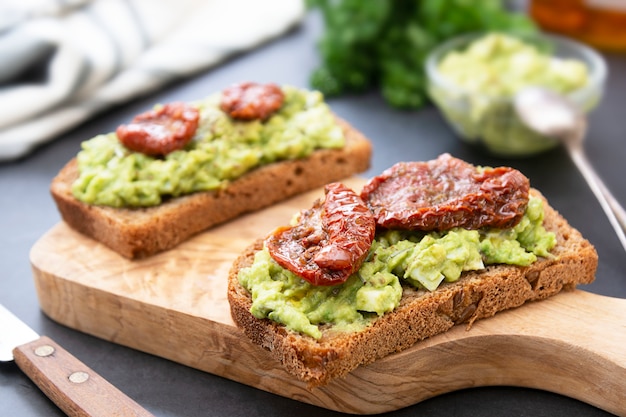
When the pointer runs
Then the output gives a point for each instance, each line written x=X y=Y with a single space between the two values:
x=499 y=65
x=481 y=80
x=396 y=258
x=221 y=150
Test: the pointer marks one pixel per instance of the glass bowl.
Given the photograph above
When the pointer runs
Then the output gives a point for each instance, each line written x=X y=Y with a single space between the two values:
x=487 y=118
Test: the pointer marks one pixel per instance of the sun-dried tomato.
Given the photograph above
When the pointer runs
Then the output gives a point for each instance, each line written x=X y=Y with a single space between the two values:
x=445 y=193
x=160 y=131
x=330 y=241
x=250 y=101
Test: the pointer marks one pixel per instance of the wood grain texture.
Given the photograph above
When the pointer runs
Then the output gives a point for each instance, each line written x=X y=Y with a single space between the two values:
x=70 y=384
x=174 y=305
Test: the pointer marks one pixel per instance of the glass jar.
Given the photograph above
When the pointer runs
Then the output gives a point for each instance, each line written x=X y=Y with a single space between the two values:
x=601 y=23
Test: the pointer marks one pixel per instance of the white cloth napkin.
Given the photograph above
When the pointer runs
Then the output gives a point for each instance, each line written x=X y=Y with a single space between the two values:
x=63 y=61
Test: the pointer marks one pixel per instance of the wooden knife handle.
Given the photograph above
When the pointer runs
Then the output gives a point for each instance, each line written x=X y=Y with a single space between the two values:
x=70 y=384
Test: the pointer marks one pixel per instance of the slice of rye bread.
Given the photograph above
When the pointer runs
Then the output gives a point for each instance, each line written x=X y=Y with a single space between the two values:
x=421 y=314
x=141 y=232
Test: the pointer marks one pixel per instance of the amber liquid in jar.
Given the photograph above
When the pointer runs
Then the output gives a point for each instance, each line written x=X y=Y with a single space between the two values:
x=600 y=23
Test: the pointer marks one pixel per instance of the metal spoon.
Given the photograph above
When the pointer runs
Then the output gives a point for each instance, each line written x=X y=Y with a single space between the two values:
x=553 y=116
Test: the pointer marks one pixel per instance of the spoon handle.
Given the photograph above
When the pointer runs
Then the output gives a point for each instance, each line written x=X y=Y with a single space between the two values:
x=619 y=211
x=612 y=208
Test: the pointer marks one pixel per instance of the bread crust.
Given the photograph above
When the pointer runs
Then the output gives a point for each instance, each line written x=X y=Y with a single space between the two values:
x=142 y=232
x=421 y=314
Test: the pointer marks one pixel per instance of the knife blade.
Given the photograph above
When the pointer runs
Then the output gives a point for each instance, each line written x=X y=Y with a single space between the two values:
x=70 y=384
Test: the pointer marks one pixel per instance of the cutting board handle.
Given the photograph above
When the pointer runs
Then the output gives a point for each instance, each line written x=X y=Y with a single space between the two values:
x=573 y=344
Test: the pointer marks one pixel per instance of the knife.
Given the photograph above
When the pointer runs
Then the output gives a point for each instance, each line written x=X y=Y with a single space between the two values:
x=70 y=384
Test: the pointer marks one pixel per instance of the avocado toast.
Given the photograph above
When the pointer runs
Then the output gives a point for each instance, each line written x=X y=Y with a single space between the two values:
x=479 y=290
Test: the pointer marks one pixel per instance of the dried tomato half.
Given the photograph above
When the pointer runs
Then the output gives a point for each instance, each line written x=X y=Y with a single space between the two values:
x=160 y=131
x=250 y=101
x=445 y=193
x=330 y=241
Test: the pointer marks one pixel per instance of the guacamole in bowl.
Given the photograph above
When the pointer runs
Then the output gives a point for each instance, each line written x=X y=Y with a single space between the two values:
x=474 y=78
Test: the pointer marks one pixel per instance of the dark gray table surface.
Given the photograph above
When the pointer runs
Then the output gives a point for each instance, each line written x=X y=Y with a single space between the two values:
x=169 y=389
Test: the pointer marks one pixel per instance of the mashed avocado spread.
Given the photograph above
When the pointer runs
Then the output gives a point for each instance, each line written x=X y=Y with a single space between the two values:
x=486 y=74
x=222 y=149
x=396 y=258
x=499 y=65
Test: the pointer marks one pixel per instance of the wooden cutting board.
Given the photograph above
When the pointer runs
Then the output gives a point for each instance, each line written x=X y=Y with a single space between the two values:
x=174 y=305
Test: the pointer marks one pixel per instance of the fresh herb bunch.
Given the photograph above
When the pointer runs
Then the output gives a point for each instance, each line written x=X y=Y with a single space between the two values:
x=384 y=43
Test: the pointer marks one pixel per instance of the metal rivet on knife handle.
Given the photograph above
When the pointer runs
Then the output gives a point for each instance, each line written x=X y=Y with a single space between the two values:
x=44 y=350
x=79 y=377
